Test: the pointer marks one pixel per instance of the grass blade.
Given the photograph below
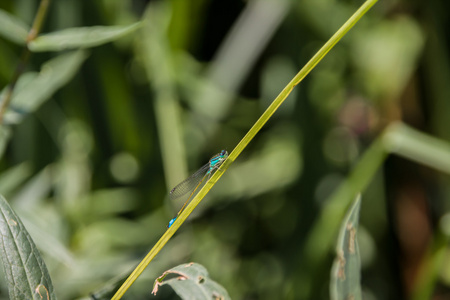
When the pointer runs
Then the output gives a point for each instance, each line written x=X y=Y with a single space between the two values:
x=346 y=270
x=243 y=144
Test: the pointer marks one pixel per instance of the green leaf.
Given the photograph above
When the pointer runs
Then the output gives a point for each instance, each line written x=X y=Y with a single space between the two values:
x=13 y=177
x=418 y=146
x=26 y=273
x=32 y=90
x=80 y=37
x=192 y=282
x=346 y=270
x=12 y=28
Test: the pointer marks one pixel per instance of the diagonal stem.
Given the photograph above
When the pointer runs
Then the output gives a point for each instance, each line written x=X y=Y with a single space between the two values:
x=242 y=144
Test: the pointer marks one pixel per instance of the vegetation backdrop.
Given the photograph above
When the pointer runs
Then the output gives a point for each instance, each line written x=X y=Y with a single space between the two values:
x=88 y=165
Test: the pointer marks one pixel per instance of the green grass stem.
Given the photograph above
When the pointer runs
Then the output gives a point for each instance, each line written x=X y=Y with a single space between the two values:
x=243 y=143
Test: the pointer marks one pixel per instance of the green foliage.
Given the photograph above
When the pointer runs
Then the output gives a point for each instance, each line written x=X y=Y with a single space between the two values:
x=192 y=281
x=414 y=145
x=26 y=273
x=13 y=28
x=12 y=178
x=346 y=271
x=91 y=143
x=76 y=38
x=33 y=89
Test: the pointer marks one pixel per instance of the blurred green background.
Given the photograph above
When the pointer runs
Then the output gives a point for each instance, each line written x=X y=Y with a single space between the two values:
x=89 y=171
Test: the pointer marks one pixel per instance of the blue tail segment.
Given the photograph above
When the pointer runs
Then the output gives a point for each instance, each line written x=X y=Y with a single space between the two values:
x=171 y=222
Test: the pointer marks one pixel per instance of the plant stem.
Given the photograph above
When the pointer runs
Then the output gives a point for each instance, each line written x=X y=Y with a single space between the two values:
x=32 y=34
x=242 y=144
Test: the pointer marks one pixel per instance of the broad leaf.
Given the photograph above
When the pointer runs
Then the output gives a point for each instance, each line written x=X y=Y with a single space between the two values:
x=346 y=271
x=32 y=90
x=191 y=282
x=12 y=28
x=26 y=273
x=80 y=37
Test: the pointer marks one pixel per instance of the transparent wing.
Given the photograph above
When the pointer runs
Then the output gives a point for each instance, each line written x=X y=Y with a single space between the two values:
x=189 y=183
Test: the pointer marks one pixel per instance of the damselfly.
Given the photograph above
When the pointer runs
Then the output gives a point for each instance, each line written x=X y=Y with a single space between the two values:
x=193 y=182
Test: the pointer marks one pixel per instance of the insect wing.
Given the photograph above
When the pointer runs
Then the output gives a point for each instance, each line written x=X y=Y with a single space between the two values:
x=189 y=183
